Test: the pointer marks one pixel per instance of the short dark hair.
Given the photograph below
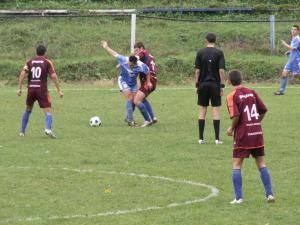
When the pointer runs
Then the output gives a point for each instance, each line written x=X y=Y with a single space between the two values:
x=41 y=50
x=211 y=37
x=296 y=26
x=133 y=59
x=139 y=45
x=235 y=77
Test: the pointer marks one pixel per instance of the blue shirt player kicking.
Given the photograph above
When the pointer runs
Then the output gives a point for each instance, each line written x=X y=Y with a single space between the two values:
x=130 y=68
x=293 y=64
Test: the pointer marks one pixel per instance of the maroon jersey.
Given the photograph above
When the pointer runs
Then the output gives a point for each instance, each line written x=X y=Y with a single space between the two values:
x=148 y=59
x=38 y=69
x=245 y=104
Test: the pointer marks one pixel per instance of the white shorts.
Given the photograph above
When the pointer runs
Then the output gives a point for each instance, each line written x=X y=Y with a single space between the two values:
x=125 y=87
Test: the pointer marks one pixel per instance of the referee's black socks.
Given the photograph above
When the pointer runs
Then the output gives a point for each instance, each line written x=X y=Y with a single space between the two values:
x=201 y=125
x=217 y=129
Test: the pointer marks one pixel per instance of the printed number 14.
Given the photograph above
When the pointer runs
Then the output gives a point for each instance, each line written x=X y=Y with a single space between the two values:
x=251 y=114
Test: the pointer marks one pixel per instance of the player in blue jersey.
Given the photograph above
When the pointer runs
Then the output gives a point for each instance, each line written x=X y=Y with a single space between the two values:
x=293 y=64
x=130 y=68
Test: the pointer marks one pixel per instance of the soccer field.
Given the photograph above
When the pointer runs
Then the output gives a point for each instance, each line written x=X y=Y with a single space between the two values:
x=119 y=175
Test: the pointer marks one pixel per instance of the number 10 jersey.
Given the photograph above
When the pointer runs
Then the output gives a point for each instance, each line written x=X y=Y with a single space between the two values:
x=38 y=69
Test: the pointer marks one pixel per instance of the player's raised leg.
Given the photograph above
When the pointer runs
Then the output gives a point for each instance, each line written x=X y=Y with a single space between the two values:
x=265 y=178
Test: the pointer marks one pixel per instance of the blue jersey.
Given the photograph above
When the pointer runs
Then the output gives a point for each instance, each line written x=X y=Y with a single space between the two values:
x=295 y=52
x=128 y=74
x=293 y=64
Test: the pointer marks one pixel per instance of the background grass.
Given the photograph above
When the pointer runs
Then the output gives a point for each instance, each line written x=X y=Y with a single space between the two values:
x=74 y=46
x=30 y=186
x=167 y=149
x=54 y=4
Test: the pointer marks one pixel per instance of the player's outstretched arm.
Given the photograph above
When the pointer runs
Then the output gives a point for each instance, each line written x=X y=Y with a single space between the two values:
x=56 y=83
x=289 y=47
x=108 y=49
x=21 y=78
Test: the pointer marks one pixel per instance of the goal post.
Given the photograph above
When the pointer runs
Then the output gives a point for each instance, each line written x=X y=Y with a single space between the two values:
x=117 y=12
x=133 y=31
x=90 y=12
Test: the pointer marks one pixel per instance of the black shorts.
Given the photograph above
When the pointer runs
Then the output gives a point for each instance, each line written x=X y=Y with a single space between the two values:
x=209 y=91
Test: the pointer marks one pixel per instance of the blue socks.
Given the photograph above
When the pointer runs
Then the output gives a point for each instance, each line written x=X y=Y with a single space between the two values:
x=144 y=112
x=48 y=120
x=265 y=178
x=26 y=116
x=237 y=183
x=149 y=108
x=25 y=119
x=283 y=83
x=129 y=109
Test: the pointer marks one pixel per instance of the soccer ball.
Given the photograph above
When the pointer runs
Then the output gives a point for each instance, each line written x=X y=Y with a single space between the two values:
x=95 y=121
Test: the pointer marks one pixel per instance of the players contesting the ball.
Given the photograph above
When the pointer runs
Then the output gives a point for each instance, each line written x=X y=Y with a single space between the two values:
x=145 y=56
x=130 y=68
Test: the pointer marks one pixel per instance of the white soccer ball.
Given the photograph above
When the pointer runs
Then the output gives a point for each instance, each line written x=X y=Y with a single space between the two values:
x=95 y=121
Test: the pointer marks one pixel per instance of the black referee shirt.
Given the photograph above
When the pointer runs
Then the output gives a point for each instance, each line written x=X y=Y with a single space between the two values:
x=209 y=60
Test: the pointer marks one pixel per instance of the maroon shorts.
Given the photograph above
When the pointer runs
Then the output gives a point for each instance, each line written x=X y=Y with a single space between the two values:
x=245 y=153
x=42 y=96
x=144 y=88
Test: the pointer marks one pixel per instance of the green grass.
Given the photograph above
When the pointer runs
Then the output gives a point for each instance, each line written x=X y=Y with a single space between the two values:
x=86 y=4
x=74 y=46
x=34 y=183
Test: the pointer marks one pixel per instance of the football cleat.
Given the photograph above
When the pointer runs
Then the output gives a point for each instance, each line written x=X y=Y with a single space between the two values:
x=154 y=120
x=22 y=134
x=270 y=199
x=132 y=124
x=201 y=142
x=218 y=142
x=234 y=201
x=278 y=92
x=146 y=124
x=50 y=133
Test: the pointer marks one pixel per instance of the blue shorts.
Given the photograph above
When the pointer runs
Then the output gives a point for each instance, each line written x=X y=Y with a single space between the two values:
x=293 y=66
x=125 y=87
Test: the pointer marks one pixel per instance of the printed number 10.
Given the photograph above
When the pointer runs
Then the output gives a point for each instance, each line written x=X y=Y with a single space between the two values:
x=36 y=72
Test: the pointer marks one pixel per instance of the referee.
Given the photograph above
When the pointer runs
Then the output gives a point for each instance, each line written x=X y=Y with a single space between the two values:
x=210 y=73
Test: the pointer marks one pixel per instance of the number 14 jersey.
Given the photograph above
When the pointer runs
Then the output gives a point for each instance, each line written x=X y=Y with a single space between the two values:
x=245 y=104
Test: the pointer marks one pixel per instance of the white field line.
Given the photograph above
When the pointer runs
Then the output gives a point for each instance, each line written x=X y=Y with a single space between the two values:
x=158 y=88
x=214 y=193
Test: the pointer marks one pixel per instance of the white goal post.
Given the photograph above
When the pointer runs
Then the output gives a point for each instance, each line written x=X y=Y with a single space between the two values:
x=131 y=12
x=91 y=12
